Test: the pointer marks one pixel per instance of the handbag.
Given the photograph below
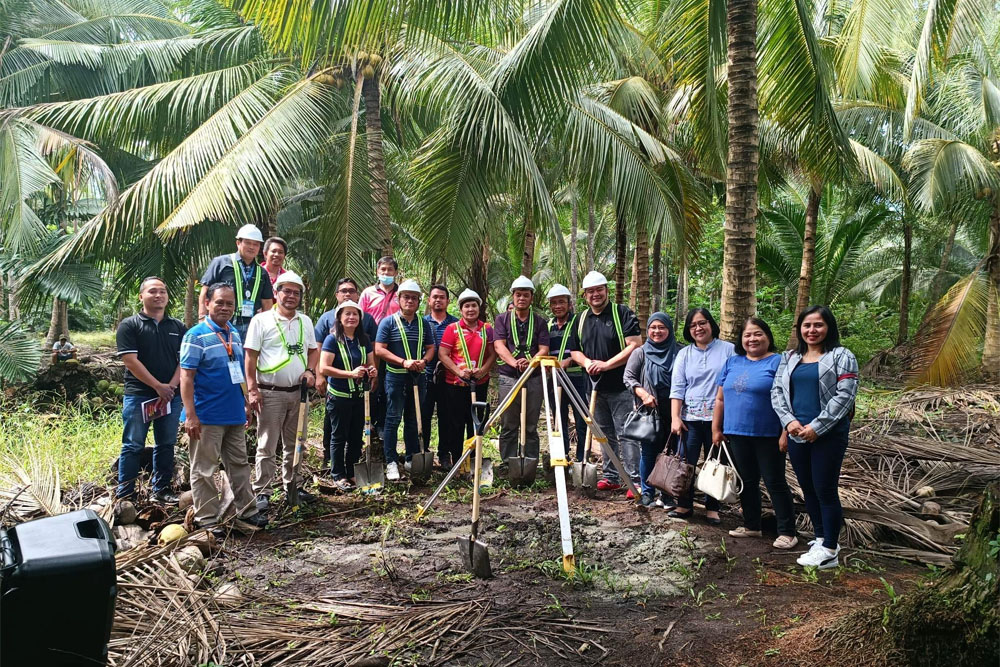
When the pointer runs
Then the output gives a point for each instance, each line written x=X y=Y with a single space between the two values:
x=671 y=473
x=717 y=479
x=641 y=425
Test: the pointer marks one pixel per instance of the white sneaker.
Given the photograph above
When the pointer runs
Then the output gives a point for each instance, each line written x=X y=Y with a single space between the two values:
x=820 y=557
x=407 y=466
x=392 y=472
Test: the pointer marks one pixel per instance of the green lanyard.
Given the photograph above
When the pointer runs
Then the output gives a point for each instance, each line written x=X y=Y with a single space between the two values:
x=531 y=332
x=565 y=336
x=406 y=342
x=238 y=274
x=465 y=347
x=614 y=316
x=298 y=350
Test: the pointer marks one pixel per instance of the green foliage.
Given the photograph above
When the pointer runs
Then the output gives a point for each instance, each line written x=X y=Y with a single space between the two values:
x=19 y=353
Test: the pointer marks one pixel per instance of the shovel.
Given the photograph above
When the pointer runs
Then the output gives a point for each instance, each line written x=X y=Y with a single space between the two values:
x=292 y=490
x=486 y=475
x=475 y=555
x=585 y=472
x=521 y=469
x=370 y=477
x=422 y=462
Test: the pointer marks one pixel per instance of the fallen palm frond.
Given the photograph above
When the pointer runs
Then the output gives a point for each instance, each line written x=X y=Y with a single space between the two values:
x=29 y=487
x=165 y=616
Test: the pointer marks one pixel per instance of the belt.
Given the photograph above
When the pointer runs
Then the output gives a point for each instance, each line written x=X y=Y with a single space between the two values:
x=271 y=387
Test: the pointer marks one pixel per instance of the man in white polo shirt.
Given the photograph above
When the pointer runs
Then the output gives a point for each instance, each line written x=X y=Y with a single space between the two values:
x=281 y=351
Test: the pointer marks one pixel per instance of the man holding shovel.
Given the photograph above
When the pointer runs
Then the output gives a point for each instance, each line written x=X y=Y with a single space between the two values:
x=520 y=334
x=602 y=340
x=562 y=322
x=213 y=391
x=405 y=343
x=281 y=353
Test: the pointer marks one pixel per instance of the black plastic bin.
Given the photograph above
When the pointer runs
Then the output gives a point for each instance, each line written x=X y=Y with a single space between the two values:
x=57 y=591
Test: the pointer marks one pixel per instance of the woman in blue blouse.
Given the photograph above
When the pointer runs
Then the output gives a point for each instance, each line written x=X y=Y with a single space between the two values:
x=692 y=398
x=744 y=418
x=346 y=363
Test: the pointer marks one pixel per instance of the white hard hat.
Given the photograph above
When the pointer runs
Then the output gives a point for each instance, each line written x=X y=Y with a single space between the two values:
x=250 y=233
x=289 y=277
x=522 y=283
x=347 y=304
x=410 y=286
x=469 y=295
x=558 y=290
x=594 y=279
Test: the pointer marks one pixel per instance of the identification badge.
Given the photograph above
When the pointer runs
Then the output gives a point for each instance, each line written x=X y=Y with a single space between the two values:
x=235 y=372
x=247 y=310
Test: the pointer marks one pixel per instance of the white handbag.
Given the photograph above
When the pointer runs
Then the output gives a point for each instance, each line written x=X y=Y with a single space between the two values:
x=717 y=479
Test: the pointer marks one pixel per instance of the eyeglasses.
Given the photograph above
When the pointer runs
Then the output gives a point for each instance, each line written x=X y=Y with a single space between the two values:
x=698 y=325
x=347 y=290
x=290 y=292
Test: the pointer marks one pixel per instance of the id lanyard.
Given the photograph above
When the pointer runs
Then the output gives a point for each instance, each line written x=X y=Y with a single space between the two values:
x=240 y=276
x=235 y=369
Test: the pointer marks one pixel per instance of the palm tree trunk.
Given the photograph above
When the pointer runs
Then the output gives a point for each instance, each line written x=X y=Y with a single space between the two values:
x=633 y=283
x=376 y=161
x=190 y=300
x=621 y=251
x=808 y=259
x=937 y=285
x=479 y=272
x=591 y=224
x=13 y=310
x=657 y=271
x=682 y=290
x=739 y=277
x=641 y=279
x=352 y=150
x=58 y=323
x=991 y=347
x=573 y=259
x=528 y=254
x=904 y=289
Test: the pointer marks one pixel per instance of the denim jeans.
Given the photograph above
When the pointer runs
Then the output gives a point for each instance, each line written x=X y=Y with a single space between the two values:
x=650 y=450
x=400 y=408
x=134 y=440
x=698 y=437
x=610 y=411
x=757 y=458
x=817 y=467
x=433 y=395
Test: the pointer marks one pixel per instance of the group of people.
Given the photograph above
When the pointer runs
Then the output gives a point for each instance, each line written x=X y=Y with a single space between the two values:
x=253 y=351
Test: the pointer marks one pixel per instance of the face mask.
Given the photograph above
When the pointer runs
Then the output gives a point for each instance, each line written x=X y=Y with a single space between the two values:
x=387 y=280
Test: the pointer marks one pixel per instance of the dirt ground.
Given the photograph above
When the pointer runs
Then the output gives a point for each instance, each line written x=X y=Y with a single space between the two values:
x=663 y=590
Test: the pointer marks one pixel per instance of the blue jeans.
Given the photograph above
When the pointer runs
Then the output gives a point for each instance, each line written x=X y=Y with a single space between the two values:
x=697 y=437
x=400 y=408
x=817 y=467
x=134 y=441
x=650 y=450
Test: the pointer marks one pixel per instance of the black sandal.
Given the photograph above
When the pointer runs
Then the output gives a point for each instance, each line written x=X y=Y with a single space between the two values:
x=674 y=514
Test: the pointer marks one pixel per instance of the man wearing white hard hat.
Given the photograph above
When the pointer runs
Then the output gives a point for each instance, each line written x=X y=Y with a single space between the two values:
x=520 y=334
x=467 y=354
x=240 y=269
x=560 y=324
x=406 y=345
x=347 y=360
x=602 y=340
x=281 y=352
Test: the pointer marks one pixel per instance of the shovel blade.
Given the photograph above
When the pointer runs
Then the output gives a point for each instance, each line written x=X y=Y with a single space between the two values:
x=475 y=557
x=517 y=470
x=529 y=470
x=421 y=465
x=370 y=476
x=585 y=478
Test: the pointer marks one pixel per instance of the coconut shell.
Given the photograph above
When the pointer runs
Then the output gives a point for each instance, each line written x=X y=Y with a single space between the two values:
x=190 y=559
x=925 y=492
x=171 y=533
x=125 y=513
x=185 y=501
x=228 y=594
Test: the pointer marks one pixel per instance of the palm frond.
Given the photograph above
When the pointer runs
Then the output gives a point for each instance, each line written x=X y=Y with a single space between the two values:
x=879 y=172
x=868 y=32
x=946 y=345
x=19 y=356
x=26 y=175
x=943 y=171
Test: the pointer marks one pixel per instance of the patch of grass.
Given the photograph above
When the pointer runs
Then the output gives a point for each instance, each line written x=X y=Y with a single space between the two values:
x=82 y=443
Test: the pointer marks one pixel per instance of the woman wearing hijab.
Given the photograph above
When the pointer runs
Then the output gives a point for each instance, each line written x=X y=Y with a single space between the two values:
x=745 y=420
x=647 y=376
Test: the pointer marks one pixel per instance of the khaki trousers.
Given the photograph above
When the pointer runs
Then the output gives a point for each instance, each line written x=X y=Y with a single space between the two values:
x=278 y=420
x=228 y=444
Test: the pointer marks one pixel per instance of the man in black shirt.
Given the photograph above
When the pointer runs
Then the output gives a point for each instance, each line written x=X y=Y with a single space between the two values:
x=149 y=344
x=240 y=269
x=601 y=342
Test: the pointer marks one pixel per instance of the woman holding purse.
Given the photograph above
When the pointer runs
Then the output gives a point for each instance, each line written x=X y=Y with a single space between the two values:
x=647 y=376
x=692 y=399
x=744 y=419
x=813 y=394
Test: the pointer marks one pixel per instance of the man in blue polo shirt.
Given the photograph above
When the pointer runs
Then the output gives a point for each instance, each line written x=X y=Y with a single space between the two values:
x=249 y=279
x=212 y=389
x=405 y=343
x=439 y=318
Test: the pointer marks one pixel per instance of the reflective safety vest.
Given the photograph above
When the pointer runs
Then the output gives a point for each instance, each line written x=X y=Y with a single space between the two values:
x=347 y=361
x=298 y=349
x=565 y=339
x=465 y=346
x=406 y=343
x=615 y=316
x=238 y=277
x=518 y=348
